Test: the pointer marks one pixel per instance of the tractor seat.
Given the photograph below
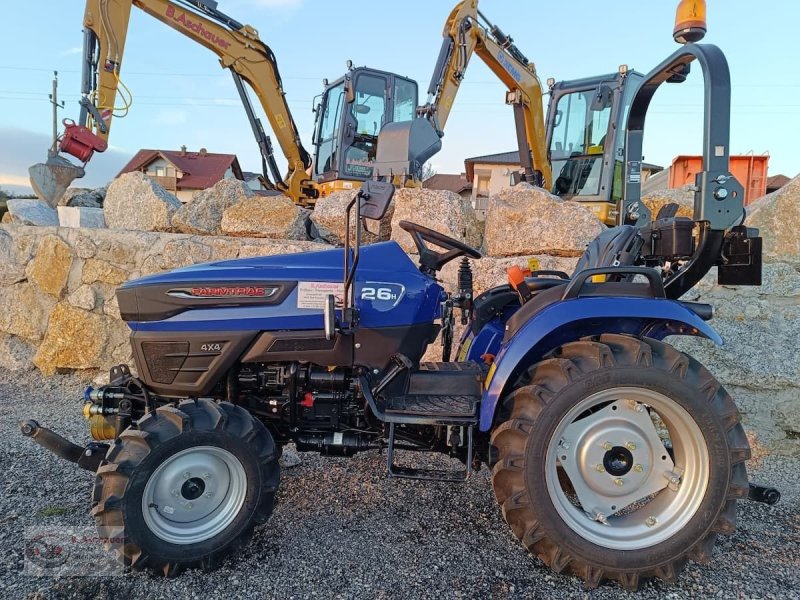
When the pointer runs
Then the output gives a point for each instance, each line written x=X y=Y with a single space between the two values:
x=539 y=284
x=617 y=246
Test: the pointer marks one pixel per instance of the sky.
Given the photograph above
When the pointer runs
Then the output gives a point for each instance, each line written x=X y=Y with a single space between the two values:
x=182 y=96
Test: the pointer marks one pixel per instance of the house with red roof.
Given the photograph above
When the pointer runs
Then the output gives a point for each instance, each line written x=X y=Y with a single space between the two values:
x=457 y=184
x=182 y=172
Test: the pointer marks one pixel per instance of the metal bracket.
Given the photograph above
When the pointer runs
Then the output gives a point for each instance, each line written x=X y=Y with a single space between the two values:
x=428 y=474
x=98 y=118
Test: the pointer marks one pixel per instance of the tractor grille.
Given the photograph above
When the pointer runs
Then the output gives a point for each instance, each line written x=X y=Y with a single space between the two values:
x=164 y=359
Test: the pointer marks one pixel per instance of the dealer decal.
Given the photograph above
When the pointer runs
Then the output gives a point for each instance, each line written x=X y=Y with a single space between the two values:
x=312 y=294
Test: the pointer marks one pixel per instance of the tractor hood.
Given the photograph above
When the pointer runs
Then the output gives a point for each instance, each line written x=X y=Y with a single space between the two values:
x=282 y=285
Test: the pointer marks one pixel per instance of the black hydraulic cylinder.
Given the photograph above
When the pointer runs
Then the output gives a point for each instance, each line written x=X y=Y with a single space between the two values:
x=525 y=159
x=441 y=64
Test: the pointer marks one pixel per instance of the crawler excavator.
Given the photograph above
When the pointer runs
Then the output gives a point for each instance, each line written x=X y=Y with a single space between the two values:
x=251 y=62
x=577 y=151
x=579 y=139
x=239 y=49
x=409 y=141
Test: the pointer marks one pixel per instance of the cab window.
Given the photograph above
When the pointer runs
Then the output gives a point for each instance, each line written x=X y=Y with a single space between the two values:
x=369 y=111
x=369 y=107
x=577 y=144
x=329 y=129
x=405 y=100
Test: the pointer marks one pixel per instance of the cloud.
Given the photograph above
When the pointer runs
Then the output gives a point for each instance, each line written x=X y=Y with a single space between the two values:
x=15 y=184
x=11 y=179
x=171 y=116
x=20 y=148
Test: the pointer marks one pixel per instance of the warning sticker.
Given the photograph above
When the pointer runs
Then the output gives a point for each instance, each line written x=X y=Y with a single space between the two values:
x=634 y=171
x=312 y=294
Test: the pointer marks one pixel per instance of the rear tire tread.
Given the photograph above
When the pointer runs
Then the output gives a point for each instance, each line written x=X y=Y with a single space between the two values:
x=535 y=389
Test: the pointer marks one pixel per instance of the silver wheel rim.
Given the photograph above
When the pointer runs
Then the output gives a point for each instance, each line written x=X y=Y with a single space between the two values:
x=632 y=494
x=194 y=495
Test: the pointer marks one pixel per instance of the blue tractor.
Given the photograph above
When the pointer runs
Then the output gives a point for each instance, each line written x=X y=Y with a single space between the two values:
x=613 y=454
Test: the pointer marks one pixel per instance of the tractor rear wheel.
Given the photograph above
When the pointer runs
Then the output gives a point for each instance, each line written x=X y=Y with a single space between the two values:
x=186 y=487
x=619 y=458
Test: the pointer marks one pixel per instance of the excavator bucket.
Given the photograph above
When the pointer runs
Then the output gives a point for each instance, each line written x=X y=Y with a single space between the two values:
x=403 y=147
x=51 y=179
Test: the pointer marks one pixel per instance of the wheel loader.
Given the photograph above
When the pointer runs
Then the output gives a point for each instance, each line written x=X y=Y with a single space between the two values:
x=613 y=455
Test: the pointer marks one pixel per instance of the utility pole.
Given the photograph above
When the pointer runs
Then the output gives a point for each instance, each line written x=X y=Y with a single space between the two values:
x=56 y=106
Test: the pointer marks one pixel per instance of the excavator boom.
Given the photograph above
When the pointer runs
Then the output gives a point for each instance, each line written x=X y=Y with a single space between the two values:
x=466 y=32
x=104 y=96
x=403 y=147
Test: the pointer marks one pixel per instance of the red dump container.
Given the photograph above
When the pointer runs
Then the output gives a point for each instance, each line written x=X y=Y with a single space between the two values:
x=750 y=170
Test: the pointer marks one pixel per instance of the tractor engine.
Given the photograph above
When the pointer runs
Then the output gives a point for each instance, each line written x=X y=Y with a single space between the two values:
x=320 y=403
x=315 y=407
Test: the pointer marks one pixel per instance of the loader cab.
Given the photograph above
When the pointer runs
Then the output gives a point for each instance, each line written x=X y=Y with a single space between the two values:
x=349 y=116
x=585 y=139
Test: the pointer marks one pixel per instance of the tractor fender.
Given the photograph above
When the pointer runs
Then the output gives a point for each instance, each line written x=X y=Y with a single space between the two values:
x=573 y=319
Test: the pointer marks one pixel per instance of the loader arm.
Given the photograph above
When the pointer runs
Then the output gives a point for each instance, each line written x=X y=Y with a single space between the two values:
x=465 y=35
x=239 y=49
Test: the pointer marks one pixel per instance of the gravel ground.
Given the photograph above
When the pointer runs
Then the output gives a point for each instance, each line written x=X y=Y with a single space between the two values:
x=341 y=529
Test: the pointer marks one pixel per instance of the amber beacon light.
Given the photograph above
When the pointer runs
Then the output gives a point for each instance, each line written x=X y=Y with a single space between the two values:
x=690 y=21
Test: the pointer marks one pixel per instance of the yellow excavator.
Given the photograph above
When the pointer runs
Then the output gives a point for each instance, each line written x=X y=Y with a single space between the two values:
x=364 y=103
x=468 y=31
x=347 y=148
x=577 y=152
x=354 y=109
x=239 y=49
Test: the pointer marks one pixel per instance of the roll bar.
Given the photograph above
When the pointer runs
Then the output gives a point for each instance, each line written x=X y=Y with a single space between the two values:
x=719 y=197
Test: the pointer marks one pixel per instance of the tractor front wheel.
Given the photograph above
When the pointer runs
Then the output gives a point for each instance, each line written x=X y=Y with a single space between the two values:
x=186 y=486
x=619 y=458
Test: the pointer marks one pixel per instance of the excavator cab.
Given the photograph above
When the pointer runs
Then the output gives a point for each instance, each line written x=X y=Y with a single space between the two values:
x=350 y=115
x=586 y=147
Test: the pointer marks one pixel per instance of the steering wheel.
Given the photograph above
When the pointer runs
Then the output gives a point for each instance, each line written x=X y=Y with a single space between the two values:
x=430 y=260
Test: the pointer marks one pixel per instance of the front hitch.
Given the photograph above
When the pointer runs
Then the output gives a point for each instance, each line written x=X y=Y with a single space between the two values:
x=88 y=457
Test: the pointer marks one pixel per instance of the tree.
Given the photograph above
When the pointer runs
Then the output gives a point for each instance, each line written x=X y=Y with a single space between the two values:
x=3 y=194
x=427 y=171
